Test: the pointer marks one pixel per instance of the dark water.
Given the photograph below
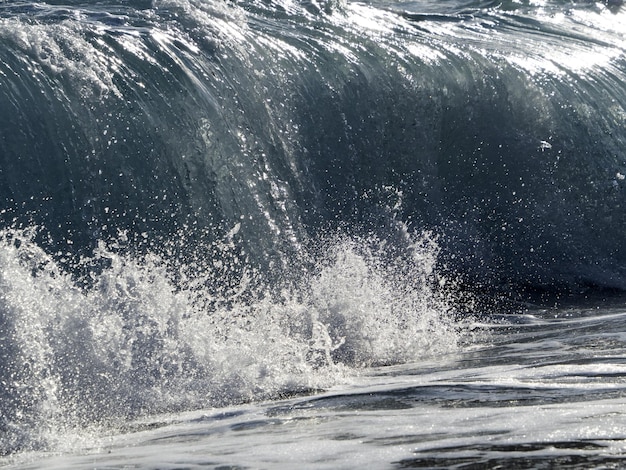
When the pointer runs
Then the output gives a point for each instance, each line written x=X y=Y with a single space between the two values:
x=207 y=202
x=499 y=126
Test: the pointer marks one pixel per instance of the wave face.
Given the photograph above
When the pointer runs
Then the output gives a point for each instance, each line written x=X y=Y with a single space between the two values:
x=496 y=125
x=206 y=202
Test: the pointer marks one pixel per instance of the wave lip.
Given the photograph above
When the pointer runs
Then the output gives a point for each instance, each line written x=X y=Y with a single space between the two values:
x=501 y=125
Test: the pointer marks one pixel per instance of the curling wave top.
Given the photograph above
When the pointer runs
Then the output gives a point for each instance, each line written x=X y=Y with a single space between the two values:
x=497 y=126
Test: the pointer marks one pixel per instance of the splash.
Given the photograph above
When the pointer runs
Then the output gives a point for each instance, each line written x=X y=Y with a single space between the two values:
x=145 y=334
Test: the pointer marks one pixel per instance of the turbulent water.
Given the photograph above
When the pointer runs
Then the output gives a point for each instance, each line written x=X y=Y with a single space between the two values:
x=340 y=233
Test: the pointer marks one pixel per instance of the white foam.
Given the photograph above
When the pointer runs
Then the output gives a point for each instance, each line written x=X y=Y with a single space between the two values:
x=136 y=342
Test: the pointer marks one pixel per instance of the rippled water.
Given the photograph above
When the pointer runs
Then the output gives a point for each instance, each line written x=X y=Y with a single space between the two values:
x=546 y=390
